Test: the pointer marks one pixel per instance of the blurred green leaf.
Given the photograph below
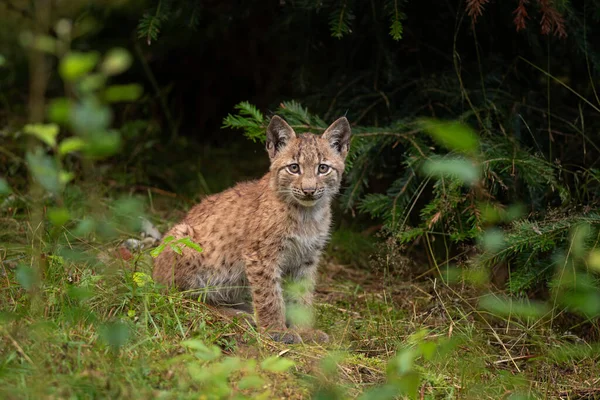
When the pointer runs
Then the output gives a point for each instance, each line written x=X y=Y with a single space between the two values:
x=44 y=171
x=116 y=61
x=65 y=177
x=90 y=116
x=579 y=237
x=69 y=145
x=506 y=306
x=4 y=188
x=492 y=240
x=586 y=302
x=594 y=260
x=276 y=364
x=452 y=168
x=427 y=349
x=402 y=362
x=452 y=135
x=92 y=82
x=102 y=144
x=80 y=294
x=44 y=43
x=45 y=132
x=329 y=364
x=382 y=392
x=299 y=315
x=76 y=64
x=118 y=93
x=59 y=110
x=84 y=227
x=58 y=216
x=201 y=350
x=409 y=384
x=2 y=61
x=26 y=276
x=115 y=334
x=251 y=382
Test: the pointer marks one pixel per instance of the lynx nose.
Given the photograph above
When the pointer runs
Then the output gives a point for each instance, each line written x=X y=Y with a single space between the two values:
x=309 y=191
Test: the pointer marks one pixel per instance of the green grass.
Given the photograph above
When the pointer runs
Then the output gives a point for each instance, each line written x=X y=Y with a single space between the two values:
x=95 y=327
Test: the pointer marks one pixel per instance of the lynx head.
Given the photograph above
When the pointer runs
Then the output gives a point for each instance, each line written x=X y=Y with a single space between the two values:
x=307 y=169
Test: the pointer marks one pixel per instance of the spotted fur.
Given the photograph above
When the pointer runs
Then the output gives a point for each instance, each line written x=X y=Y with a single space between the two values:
x=259 y=233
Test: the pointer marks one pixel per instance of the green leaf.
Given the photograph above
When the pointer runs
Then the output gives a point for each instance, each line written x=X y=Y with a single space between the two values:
x=44 y=171
x=26 y=276
x=59 y=109
x=90 y=116
x=492 y=240
x=92 y=82
x=251 y=382
x=452 y=135
x=176 y=249
x=69 y=145
x=155 y=252
x=299 y=315
x=427 y=349
x=409 y=384
x=506 y=306
x=115 y=334
x=45 y=132
x=76 y=64
x=58 y=216
x=84 y=227
x=188 y=242
x=452 y=168
x=168 y=239
x=116 y=61
x=102 y=144
x=65 y=177
x=118 y=93
x=4 y=188
x=201 y=350
x=383 y=392
x=276 y=364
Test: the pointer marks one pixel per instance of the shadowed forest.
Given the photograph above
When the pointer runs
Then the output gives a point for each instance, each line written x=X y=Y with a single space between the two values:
x=464 y=258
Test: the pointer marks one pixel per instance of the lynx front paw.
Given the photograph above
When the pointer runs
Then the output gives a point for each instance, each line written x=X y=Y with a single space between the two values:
x=287 y=337
x=314 y=335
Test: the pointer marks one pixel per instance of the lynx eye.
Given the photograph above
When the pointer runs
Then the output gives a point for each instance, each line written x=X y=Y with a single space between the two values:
x=324 y=168
x=293 y=168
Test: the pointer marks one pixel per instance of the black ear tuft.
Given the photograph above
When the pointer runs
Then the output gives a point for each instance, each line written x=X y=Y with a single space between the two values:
x=279 y=133
x=338 y=136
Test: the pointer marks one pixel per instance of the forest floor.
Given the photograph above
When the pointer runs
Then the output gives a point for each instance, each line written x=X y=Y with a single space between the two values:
x=90 y=331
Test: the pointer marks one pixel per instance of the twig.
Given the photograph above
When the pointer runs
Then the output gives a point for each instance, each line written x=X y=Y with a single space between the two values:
x=505 y=360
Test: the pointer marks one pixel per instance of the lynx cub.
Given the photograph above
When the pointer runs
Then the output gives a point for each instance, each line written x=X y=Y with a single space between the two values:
x=259 y=233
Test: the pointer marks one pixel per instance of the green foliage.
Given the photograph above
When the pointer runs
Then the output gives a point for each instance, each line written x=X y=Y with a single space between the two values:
x=176 y=245
x=340 y=19
x=151 y=22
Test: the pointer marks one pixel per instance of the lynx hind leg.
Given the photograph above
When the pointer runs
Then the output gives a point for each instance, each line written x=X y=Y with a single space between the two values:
x=172 y=269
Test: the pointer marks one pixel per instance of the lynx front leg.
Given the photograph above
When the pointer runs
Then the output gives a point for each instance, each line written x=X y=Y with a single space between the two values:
x=267 y=297
x=301 y=299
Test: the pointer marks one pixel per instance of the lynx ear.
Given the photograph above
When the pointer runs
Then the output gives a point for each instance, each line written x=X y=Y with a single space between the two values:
x=338 y=136
x=279 y=133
